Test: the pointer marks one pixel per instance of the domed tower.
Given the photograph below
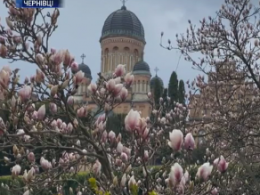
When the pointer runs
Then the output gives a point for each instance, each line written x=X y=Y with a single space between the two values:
x=122 y=40
x=82 y=88
x=154 y=80
x=142 y=74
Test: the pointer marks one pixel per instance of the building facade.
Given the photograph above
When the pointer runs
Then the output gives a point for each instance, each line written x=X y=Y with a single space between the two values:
x=122 y=41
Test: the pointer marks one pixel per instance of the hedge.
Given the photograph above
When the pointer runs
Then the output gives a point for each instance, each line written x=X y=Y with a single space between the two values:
x=73 y=183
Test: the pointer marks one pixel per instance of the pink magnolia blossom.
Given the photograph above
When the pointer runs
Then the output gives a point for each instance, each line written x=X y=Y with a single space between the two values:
x=131 y=181
x=145 y=133
x=78 y=78
x=97 y=167
x=119 y=147
x=58 y=57
x=41 y=112
x=20 y=132
x=25 y=93
x=123 y=94
x=54 y=124
x=45 y=164
x=53 y=51
x=28 y=176
x=111 y=136
x=189 y=142
x=4 y=77
x=104 y=136
x=16 y=170
x=82 y=112
x=124 y=157
x=176 y=174
x=74 y=67
x=110 y=85
x=221 y=164
x=101 y=126
x=35 y=115
x=120 y=70
x=69 y=128
x=176 y=139
x=117 y=90
x=101 y=118
x=129 y=79
x=119 y=138
x=54 y=90
x=39 y=78
x=93 y=88
x=31 y=157
x=39 y=59
x=123 y=180
x=204 y=171
x=70 y=100
x=117 y=80
x=132 y=120
x=214 y=191
x=53 y=108
x=142 y=125
x=68 y=59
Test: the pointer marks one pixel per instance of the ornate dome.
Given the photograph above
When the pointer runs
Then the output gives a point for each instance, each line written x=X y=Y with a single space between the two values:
x=123 y=22
x=141 y=67
x=84 y=68
x=152 y=82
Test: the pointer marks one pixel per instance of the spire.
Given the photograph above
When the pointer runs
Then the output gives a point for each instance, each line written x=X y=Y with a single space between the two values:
x=156 y=70
x=123 y=2
x=82 y=57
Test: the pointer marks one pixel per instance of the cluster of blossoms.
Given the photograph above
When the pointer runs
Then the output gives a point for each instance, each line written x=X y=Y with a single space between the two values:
x=227 y=92
x=48 y=137
x=86 y=142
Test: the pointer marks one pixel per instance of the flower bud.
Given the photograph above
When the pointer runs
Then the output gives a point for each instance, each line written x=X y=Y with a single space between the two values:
x=120 y=70
x=41 y=112
x=70 y=100
x=53 y=108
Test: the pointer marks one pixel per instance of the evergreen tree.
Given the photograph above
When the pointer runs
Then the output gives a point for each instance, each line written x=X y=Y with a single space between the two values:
x=181 y=92
x=116 y=123
x=157 y=92
x=173 y=88
x=165 y=105
x=165 y=94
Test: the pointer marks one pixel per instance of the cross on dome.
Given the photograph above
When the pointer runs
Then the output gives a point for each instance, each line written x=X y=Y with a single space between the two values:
x=124 y=1
x=82 y=57
x=156 y=70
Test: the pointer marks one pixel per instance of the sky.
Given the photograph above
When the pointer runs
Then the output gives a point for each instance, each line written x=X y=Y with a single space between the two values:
x=81 y=21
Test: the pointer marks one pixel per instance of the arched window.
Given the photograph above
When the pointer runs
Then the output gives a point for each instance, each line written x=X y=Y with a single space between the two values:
x=138 y=86
x=126 y=59
x=136 y=56
x=134 y=86
x=143 y=87
x=115 y=58
x=105 y=64
x=131 y=63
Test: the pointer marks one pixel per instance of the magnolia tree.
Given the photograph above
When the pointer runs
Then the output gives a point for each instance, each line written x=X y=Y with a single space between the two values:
x=228 y=44
x=47 y=137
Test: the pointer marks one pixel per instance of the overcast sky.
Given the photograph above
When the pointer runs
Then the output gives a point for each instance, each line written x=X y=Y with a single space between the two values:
x=81 y=22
